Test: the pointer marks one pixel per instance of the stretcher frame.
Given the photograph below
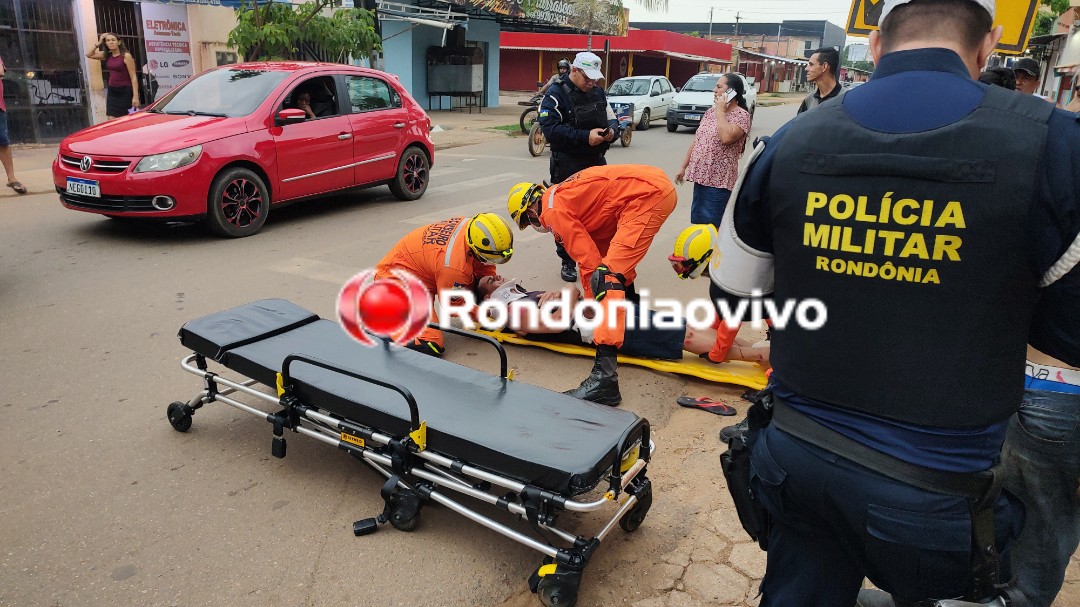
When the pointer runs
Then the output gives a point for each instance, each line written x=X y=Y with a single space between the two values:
x=416 y=475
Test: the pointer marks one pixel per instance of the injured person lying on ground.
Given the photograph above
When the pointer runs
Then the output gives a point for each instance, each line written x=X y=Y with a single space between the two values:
x=650 y=342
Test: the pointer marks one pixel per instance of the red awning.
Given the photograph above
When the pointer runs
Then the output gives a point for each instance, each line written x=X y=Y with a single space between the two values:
x=678 y=46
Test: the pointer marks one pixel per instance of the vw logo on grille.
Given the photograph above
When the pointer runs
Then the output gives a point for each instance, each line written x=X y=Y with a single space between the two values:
x=86 y=163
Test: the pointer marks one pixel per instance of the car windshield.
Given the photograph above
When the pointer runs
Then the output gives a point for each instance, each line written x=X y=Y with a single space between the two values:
x=629 y=87
x=698 y=85
x=224 y=92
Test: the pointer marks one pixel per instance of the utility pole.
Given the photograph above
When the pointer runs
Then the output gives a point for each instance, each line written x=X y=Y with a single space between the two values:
x=736 y=24
x=778 y=26
x=710 y=22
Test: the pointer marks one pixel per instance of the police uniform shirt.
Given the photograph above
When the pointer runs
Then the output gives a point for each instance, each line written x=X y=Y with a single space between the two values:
x=558 y=120
x=917 y=91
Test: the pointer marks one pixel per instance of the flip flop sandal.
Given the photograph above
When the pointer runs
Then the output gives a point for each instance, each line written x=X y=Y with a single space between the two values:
x=706 y=404
x=17 y=186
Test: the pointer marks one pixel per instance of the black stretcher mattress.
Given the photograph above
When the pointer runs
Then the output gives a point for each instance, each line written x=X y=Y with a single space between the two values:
x=516 y=430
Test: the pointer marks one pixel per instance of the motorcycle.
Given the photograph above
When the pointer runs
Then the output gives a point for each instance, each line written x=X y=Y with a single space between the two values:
x=529 y=114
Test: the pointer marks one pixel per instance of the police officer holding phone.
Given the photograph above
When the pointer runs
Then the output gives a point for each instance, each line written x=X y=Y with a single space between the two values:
x=579 y=125
x=942 y=233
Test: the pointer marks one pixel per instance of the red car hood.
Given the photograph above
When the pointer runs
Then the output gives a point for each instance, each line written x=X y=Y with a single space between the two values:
x=144 y=133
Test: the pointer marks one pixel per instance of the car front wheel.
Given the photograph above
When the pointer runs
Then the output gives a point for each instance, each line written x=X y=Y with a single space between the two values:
x=239 y=202
x=646 y=116
x=413 y=175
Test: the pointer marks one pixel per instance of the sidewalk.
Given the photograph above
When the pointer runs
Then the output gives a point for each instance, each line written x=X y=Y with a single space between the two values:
x=33 y=167
x=454 y=128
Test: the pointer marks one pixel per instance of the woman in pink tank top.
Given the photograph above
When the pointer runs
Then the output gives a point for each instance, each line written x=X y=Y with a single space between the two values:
x=120 y=75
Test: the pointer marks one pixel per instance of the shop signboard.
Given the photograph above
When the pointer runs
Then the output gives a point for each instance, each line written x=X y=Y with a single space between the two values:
x=611 y=20
x=168 y=44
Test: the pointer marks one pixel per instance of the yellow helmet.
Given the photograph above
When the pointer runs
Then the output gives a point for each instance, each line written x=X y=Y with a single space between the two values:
x=693 y=248
x=490 y=238
x=521 y=197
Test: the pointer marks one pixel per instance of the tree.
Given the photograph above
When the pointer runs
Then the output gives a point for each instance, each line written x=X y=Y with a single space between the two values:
x=275 y=30
x=1044 y=19
x=1058 y=6
x=1043 y=24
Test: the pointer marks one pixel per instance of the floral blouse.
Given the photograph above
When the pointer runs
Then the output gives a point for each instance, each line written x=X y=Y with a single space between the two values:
x=712 y=163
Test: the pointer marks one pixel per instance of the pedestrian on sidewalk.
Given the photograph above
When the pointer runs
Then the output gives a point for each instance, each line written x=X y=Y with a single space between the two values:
x=712 y=162
x=579 y=124
x=122 y=94
x=823 y=69
x=5 y=140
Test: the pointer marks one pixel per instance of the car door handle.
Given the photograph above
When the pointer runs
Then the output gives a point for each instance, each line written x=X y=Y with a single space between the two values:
x=399 y=125
x=345 y=136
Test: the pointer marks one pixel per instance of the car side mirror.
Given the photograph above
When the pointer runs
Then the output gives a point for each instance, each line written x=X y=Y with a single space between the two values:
x=678 y=89
x=290 y=116
x=655 y=94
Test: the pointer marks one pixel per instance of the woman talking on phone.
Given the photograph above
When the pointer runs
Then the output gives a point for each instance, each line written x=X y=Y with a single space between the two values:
x=120 y=66
x=712 y=162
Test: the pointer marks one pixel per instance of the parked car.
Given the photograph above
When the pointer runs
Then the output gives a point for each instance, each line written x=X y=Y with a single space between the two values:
x=696 y=97
x=650 y=97
x=236 y=140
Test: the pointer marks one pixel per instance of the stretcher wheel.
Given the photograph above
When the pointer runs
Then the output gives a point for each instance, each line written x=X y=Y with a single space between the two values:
x=401 y=520
x=179 y=416
x=557 y=591
x=632 y=519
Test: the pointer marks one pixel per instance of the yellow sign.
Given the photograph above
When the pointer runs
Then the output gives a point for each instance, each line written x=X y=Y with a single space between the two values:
x=352 y=439
x=1017 y=16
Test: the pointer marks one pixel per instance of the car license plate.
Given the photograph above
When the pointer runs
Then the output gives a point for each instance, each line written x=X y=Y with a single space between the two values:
x=83 y=187
x=693 y=116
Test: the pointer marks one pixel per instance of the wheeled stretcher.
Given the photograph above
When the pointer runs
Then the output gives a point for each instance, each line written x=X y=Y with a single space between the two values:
x=433 y=428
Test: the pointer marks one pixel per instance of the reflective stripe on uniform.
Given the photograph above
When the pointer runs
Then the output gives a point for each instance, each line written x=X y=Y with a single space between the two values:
x=453 y=239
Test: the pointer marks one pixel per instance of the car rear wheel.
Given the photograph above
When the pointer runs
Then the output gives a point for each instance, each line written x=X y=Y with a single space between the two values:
x=646 y=116
x=413 y=175
x=238 y=204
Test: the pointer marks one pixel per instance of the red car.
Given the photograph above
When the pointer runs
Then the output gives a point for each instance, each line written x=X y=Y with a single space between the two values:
x=234 y=140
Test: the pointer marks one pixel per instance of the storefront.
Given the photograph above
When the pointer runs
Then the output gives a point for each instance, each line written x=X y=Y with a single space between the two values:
x=530 y=59
x=170 y=41
x=43 y=85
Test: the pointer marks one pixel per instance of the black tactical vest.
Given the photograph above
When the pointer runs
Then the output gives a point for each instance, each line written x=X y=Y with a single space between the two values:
x=917 y=244
x=589 y=112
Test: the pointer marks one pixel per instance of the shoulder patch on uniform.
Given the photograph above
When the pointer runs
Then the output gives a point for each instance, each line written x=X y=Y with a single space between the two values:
x=543 y=114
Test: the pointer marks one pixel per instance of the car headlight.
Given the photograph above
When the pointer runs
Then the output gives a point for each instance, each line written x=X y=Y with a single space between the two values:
x=169 y=160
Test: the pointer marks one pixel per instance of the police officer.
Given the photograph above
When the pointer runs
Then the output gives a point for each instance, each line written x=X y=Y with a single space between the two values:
x=940 y=232
x=579 y=124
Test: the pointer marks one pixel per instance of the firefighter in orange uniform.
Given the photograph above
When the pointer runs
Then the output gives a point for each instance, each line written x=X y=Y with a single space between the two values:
x=449 y=254
x=606 y=217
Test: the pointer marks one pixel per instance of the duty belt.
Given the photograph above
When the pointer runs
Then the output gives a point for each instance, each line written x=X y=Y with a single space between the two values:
x=578 y=156
x=977 y=486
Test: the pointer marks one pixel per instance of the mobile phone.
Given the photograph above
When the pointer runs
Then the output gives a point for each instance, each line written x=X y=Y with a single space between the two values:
x=730 y=94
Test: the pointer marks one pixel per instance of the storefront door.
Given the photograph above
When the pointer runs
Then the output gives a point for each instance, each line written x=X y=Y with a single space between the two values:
x=43 y=86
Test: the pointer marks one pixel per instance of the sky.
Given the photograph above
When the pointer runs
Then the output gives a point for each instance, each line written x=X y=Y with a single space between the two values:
x=749 y=11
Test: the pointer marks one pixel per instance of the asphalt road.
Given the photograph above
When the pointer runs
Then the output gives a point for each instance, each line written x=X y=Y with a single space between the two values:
x=105 y=504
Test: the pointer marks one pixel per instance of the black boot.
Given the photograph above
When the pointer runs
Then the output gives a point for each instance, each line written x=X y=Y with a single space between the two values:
x=602 y=385
x=569 y=271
